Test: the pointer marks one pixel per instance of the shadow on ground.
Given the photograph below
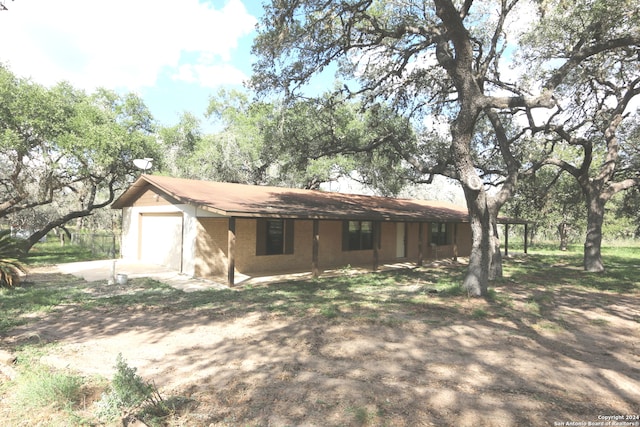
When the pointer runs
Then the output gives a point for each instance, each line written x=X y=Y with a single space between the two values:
x=361 y=351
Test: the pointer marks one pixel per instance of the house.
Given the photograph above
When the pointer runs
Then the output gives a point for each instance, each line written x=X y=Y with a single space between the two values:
x=214 y=229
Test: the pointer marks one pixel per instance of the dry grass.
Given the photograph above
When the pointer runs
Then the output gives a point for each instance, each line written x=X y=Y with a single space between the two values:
x=404 y=348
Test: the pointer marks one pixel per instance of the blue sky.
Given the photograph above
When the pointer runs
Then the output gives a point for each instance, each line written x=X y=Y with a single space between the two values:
x=174 y=54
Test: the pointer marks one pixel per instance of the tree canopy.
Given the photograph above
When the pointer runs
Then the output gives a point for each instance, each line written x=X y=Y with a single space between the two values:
x=489 y=93
x=64 y=153
x=302 y=144
x=444 y=61
x=595 y=118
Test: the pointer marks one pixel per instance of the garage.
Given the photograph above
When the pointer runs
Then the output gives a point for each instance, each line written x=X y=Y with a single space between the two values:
x=161 y=239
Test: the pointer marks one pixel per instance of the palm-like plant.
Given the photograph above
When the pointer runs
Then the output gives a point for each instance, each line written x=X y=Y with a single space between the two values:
x=10 y=265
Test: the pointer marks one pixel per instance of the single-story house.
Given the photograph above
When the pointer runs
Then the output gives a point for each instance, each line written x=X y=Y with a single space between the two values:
x=213 y=229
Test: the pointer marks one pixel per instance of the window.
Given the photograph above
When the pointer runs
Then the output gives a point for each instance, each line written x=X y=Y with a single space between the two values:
x=357 y=235
x=274 y=236
x=439 y=235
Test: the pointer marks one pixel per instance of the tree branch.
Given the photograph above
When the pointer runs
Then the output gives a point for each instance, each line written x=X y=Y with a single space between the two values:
x=581 y=53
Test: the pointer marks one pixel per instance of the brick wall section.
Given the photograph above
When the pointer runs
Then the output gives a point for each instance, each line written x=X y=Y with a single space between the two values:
x=447 y=251
x=211 y=247
x=331 y=255
x=248 y=262
x=464 y=239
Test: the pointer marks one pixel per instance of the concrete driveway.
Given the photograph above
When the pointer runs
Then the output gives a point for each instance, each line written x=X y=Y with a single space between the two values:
x=92 y=271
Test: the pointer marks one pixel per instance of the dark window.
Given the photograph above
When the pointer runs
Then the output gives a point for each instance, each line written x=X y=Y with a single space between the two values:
x=274 y=236
x=439 y=235
x=357 y=235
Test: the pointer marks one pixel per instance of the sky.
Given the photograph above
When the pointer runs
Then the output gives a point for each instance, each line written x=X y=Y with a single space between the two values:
x=174 y=54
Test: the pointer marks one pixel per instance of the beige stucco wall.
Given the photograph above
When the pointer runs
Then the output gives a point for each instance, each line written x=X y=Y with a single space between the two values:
x=130 y=243
x=152 y=202
x=212 y=237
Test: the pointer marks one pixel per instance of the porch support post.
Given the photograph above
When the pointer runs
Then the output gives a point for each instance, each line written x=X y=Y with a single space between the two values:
x=420 y=254
x=455 y=241
x=526 y=236
x=315 y=269
x=231 y=252
x=376 y=242
x=506 y=239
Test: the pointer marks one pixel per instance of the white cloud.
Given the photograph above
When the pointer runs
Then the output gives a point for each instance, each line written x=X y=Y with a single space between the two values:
x=122 y=43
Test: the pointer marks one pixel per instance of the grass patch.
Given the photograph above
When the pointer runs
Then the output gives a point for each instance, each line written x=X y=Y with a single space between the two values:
x=402 y=300
x=547 y=325
x=479 y=313
x=364 y=296
x=502 y=299
x=548 y=267
x=41 y=387
x=329 y=311
x=45 y=396
x=361 y=415
x=533 y=307
x=599 y=322
x=49 y=253
x=30 y=300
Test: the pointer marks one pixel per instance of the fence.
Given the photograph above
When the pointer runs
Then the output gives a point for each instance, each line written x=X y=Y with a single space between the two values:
x=103 y=244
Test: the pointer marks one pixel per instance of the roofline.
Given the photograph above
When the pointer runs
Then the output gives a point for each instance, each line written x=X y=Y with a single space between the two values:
x=144 y=180
x=396 y=218
x=384 y=218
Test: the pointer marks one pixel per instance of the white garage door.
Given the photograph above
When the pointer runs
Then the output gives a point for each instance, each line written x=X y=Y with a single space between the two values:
x=161 y=240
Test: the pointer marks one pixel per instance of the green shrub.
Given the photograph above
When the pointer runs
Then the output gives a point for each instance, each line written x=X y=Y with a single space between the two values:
x=10 y=265
x=129 y=394
x=330 y=311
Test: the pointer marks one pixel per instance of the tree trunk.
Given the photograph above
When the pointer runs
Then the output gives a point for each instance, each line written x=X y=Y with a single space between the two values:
x=533 y=233
x=593 y=241
x=563 y=231
x=476 y=282
x=35 y=237
x=495 y=269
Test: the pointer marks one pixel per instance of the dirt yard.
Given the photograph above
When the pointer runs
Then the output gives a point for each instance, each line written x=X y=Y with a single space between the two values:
x=525 y=358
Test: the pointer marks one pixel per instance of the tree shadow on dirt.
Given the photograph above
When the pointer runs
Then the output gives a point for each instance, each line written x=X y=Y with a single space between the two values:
x=381 y=349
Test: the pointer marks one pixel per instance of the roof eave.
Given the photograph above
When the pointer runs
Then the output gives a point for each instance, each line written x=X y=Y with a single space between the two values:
x=144 y=181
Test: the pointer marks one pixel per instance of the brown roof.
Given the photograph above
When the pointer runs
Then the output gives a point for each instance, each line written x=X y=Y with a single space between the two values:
x=240 y=200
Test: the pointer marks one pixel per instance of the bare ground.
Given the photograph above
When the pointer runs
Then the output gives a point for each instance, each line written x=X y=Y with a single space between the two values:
x=568 y=356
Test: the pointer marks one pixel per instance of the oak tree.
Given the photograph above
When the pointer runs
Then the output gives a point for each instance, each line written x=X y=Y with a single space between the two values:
x=436 y=58
x=63 y=153
x=598 y=43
